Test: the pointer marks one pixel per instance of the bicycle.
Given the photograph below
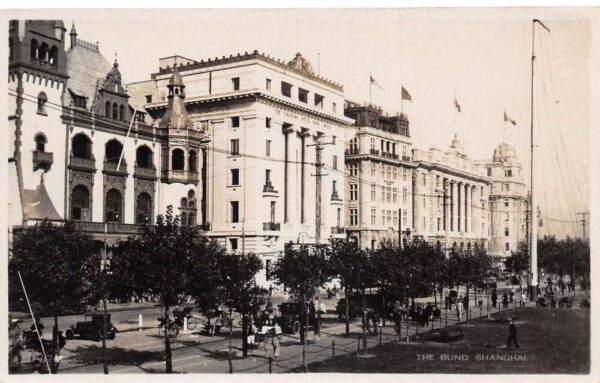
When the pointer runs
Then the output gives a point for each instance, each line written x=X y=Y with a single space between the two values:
x=172 y=328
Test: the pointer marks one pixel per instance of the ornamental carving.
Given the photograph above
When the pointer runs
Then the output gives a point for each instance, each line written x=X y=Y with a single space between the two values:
x=142 y=185
x=114 y=182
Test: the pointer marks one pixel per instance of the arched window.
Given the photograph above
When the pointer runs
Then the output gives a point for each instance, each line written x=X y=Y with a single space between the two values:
x=82 y=146
x=80 y=203
x=40 y=142
x=183 y=202
x=53 y=55
x=191 y=219
x=43 y=52
x=143 y=213
x=183 y=219
x=115 y=112
x=34 y=49
x=113 y=206
x=193 y=160
x=143 y=157
x=107 y=110
x=41 y=103
x=177 y=159
x=113 y=151
x=121 y=113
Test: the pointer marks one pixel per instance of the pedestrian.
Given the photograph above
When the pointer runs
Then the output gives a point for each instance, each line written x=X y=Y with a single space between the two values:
x=512 y=334
x=276 y=338
x=523 y=299
x=494 y=298
x=270 y=290
x=459 y=308
x=16 y=345
x=512 y=295
x=505 y=300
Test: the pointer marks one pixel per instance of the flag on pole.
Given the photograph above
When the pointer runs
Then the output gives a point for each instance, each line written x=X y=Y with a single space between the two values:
x=373 y=82
x=406 y=95
x=456 y=104
x=508 y=119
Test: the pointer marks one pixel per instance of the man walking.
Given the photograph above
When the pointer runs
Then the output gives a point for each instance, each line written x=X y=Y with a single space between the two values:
x=494 y=298
x=512 y=334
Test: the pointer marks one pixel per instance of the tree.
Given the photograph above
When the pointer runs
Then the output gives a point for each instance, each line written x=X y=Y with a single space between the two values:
x=163 y=260
x=518 y=262
x=303 y=272
x=55 y=262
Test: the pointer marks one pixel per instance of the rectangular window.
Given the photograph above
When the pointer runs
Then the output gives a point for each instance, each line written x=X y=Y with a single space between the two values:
x=286 y=89
x=373 y=216
x=233 y=244
x=334 y=107
x=395 y=218
x=334 y=162
x=267 y=176
x=268 y=122
x=506 y=217
x=506 y=203
x=373 y=192
x=235 y=122
x=373 y=168
x=404 y=195
x=489 y=172
x=319 y=101
x=404 y=218
x=303 y=95
x=79 y=101
x=509 y=172
x=383 y=217
x=235 y=83
x=268 y=84
x=353 y=217
x=235 y=177
x=235 y=211
x=506 y=187
x=506 y=231
x=268 y=148
x=339 y=217
x=353 y=170
x=507 y=246
x=235 y=147
x=148 y=98
x=353 y=192
x=273 y=205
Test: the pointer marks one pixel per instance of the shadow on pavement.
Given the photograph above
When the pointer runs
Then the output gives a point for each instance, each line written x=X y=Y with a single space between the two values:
x=92 y=355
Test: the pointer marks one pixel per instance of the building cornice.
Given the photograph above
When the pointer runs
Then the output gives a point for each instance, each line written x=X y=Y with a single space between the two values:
x=452 y=171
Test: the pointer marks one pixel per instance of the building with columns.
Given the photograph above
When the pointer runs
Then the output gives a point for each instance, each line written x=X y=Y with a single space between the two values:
x=379 y=175
x=273 y=170
x=450 y=197
x=508 y=201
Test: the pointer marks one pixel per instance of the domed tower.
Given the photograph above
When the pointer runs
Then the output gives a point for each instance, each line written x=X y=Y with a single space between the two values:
x=508 y=200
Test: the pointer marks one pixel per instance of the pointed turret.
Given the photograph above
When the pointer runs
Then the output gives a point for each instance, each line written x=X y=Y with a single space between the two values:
x=176 y=116
x=73 y=35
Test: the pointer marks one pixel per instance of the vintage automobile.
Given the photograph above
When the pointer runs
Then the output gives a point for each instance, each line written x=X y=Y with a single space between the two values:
x=91 y=328
x=372 y=301
x=290 y=317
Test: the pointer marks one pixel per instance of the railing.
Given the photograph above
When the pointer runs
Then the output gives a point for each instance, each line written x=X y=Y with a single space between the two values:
x=390 y=155
x=41 y=64
x=338 y=230
x=349 y=152
x=405 y=158
x=113 y=227
x=111 y=167
x=42 y=159
x=374 y=151
x=145 y=172
x=82 y=163
x=183 y=176
x=271 y=226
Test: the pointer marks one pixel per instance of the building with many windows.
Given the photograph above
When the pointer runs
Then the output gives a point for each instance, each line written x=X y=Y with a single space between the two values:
x=273 y=171
x=450 y=197
x=379 y=175
x=508 y=201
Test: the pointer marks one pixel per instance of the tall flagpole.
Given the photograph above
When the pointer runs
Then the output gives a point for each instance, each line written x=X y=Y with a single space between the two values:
x=401 y=100
x=370 y=87
x=126 y=137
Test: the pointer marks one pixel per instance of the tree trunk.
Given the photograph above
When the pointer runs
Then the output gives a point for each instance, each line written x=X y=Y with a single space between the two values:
x=55 y=346
x=168 y=362
x=304 y=332
x=104 y=365
x=383 y=308
x=244 y=331
x=434 y=295
x=230 y=338
x=364 y=315
x=346 y=293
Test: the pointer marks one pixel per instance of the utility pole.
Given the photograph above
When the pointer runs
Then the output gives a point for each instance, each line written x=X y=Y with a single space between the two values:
x=584 y=216
x=318 y=165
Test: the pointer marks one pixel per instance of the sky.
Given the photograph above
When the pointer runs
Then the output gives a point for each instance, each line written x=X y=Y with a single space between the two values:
x=483 y=56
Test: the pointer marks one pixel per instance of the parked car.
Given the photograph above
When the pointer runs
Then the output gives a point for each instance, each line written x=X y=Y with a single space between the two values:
x=291 y=313
x=372 y=301
x=91 y=328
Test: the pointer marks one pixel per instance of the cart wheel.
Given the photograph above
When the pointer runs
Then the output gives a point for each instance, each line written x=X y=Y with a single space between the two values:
x=69 y=334
x=296 y=327
x=111 y=335
x=192 y=323
x=97 y=336
x=174 y=332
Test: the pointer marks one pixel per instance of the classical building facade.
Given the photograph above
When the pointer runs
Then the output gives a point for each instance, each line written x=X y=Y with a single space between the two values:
x=508 y=201
x=379 y=175
x=273 y=170
x=450 y=197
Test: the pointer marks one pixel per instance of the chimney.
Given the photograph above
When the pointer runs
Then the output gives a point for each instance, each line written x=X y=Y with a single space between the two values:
x=73 y=35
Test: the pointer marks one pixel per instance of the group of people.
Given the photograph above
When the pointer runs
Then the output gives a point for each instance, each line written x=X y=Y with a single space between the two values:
x=30 y=339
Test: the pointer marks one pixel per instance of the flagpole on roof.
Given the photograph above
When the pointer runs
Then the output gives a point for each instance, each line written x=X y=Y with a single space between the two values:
x=504 y=128
x=401 y=100
x=370 y=86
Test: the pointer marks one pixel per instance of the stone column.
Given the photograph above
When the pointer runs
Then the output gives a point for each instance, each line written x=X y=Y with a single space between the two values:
x=454 y=206
x=416 y=196
x=460 y=204
x=446 y=205
x=467 y=209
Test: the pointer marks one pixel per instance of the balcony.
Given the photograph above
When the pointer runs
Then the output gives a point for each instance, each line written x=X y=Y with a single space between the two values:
x=271 y=226
x=335 y=196
x=352 y=151
x=111 y=168
x=338 y=230
x=147 y=173
x=44 y=65
x=84 y=164
x=374 y=151
x=390 y=155
x=42 y=160
x=205 y=226
x=405 y=158
x=180 y=176
x=269 y=189
x=113 y=227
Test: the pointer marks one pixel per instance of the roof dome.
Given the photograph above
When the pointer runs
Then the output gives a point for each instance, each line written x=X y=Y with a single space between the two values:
x=504 y=150
x=176 y=79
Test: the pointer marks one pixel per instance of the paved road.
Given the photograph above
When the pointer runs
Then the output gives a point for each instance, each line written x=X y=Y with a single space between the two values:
x=143 y=351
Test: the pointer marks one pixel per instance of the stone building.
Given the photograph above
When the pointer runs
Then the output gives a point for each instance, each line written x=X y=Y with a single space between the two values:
x=450 y=197
x=379 y=175
x=273 y=170
x=508 y=201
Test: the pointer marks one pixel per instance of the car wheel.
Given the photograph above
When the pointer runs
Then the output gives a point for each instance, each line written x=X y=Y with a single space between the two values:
x=97 y=336
x=111 y=335
x=191 y=323
x=296 y=327
x=69 y=334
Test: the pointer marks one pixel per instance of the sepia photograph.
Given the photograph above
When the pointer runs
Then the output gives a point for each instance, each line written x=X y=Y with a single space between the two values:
x=243 y=191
